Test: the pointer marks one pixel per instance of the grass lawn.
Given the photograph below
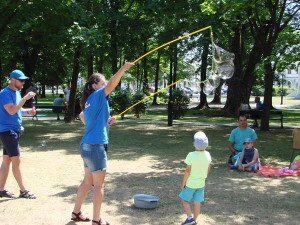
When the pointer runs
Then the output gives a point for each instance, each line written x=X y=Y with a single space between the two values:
x=290 y=108
x=148 y=158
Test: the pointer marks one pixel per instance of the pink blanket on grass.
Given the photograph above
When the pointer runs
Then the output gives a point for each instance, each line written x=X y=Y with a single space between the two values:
x=276 y=171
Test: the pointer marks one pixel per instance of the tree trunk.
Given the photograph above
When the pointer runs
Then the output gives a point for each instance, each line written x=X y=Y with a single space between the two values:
x=43 y=94
x=217 y=95
x=72 y=101
x=170 y=103
x=138 y=77
x=156 y=78
x=175 y=66
x=269 y=73
x=30 y=61
x=1 y=72
x=236 y=89
x=90 y=65
x=203 y=97
x=145 y=70
x=114 y=46
x=249 y=78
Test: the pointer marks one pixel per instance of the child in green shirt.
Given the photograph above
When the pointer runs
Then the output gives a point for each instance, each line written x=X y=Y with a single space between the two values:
x=193 y=183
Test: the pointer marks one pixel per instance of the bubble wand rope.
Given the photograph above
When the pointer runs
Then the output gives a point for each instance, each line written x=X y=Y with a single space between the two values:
x=177 y=39
x=155 y=49
x=152 y=94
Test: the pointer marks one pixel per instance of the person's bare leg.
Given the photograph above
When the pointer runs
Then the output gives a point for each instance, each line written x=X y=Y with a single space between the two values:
x=82 y=191
x=98 y=178
x=186 y=207
x=197 y=207
x=4 y=170
x=15 y=161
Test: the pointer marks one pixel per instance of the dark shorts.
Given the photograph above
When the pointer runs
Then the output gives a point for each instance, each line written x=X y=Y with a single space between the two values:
x=10 y=140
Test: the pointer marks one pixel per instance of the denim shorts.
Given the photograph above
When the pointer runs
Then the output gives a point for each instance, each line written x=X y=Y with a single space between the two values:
x=195 y=194
x=94 y=156
x=10 y=140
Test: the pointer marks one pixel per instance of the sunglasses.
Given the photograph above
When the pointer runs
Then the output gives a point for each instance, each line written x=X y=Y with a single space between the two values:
x=246 y=143
x=20 y=80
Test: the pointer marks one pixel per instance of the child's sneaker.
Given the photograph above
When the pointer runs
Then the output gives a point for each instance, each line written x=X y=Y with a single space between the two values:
x=189 y=222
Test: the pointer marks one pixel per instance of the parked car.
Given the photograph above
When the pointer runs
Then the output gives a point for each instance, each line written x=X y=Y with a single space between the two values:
x=187 y=91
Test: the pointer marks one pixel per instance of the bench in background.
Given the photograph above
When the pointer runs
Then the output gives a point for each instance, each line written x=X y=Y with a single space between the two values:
x=274 y=115
x=58 y=109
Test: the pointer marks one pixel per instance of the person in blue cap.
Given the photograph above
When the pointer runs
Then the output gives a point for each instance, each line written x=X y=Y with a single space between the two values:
x=11 y=112
x=249 y=159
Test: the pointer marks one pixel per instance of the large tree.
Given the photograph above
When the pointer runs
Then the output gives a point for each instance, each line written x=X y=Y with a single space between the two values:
x=256 y=27
x=267 y=20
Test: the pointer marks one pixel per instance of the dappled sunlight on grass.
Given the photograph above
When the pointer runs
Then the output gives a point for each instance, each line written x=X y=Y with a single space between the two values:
x=63 y=136
x=149 y=158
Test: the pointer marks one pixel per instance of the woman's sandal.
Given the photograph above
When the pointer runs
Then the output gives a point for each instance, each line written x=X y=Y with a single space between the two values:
x=77 y=218
x=27 y=194
x=100 y=222
x=6 y=194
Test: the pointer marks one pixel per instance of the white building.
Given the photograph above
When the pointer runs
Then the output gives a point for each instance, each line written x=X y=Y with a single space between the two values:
x=291 y=76
x=293 y=81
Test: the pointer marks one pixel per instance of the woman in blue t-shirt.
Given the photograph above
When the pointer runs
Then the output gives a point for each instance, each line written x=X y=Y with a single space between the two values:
x=95 y=116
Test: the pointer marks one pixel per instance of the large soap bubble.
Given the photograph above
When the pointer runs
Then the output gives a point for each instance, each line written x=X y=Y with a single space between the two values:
x=225 y=70
x=211 y=84
x=223 y=65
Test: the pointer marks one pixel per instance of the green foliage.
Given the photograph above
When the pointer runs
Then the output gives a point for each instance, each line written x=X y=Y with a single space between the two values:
x=120 y=100
x=258 y=90
x=278 y=91
x=140 y=108
x=180 y=104
x=163 y=96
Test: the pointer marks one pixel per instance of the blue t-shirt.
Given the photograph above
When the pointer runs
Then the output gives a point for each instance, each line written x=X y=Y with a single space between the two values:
x=237 y=136
x=259 y=105
x=7 y=121
x=96 y=114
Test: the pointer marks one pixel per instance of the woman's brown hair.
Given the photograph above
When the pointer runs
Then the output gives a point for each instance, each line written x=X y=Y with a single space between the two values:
x=88 y=87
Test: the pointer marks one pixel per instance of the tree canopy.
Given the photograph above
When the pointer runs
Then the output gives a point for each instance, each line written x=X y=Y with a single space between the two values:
x=54 y=41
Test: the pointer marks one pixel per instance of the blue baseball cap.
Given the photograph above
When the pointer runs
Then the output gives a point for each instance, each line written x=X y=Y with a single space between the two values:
x=248 y=140
x=18 y=74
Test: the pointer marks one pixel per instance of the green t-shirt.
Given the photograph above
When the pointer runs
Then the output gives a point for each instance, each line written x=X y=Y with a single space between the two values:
x=199 y=162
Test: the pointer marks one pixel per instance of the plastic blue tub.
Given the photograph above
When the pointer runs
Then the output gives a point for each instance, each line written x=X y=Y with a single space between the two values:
x=144 y=201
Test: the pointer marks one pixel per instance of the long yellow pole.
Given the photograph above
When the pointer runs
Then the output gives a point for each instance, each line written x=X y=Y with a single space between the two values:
x=153 y=50
x=152 y=94
x=177 y=39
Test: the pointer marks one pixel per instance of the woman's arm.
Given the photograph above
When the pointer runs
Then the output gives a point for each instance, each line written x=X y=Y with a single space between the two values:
x=115 y=79
x=81 y=117
x=111 y=120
